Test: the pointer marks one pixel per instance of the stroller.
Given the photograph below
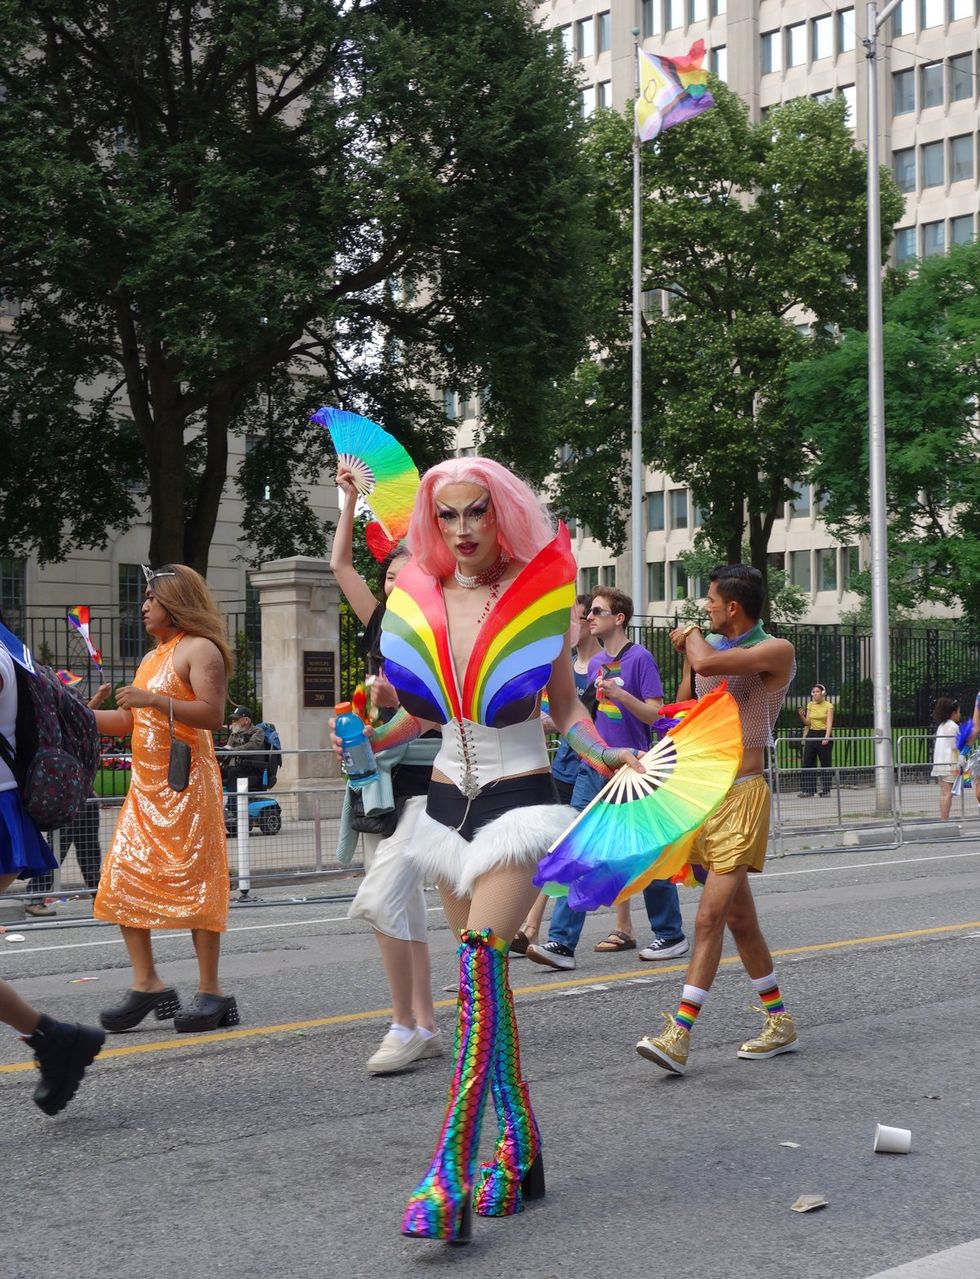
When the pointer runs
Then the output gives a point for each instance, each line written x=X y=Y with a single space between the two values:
x=263 y=811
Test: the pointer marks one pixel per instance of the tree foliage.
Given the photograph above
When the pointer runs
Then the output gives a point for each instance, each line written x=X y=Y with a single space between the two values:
x=747 y=230
x=344 y=201
x=932 y=380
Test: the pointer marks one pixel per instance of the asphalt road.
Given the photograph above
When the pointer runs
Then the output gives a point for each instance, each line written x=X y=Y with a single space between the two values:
x=271 y=1152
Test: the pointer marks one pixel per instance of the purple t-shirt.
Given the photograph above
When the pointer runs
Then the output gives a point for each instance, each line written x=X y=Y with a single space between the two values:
x=638 y=671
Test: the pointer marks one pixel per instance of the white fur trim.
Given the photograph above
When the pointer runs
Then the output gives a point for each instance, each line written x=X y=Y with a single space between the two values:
x=518 y=838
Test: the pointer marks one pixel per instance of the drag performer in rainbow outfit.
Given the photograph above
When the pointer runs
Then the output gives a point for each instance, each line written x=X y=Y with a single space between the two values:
x=475 y=630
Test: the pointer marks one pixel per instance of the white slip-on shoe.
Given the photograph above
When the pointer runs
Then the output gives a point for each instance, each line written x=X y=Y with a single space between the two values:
x=396 y=1053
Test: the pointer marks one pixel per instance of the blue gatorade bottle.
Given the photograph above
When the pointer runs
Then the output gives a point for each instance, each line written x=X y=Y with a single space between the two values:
x=357 y=757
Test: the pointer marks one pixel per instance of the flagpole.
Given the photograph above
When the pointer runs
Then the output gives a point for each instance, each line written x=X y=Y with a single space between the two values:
x=638 y=556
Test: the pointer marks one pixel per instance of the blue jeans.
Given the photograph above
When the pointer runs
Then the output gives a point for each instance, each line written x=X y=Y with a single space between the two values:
x=659 y=896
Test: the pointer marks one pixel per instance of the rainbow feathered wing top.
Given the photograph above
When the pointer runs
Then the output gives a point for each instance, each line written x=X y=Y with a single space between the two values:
x=512 y=658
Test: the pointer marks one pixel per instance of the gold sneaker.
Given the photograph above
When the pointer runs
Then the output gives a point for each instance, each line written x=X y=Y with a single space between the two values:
x=669 y=1050
x=778 y=1036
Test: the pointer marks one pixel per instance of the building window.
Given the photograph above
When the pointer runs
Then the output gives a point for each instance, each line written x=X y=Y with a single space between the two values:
x=903 y=92
x=603 y=93
x=588 y=580
x=131 y=632
x=675 y=14
x=697 y=10
x=848 y=94
x=567 y=41
x=655 y=512
x=719 y=8
x=603 y=32
x=822 y=37
x=933 y=239
x=931 y=13
x=656 y=582
x=796 y=45
x=846 y=35
x=585 y=37
x=771 y=60
x=961 y=77
x=961 y=229
x=825 y=95
x=800 y=501
x=719 y=62
x=827 y=569
x=608 y=575
x=697 y=515
x=13 y=594
x=677 y=580
x=904 y=165
x=678 y=508
x=961 y=158
x=850 y=563
x=586 y=101
x=932 y=85
x=650 y=18
x=905 y=245
x=450 y=405
x=799 y=569
x=933 y=166
x=903 y=19
x=960 y=9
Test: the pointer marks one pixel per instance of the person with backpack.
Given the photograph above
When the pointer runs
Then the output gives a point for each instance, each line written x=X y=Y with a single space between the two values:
x=167 y=866
x=250 y=739
x=63 y=1052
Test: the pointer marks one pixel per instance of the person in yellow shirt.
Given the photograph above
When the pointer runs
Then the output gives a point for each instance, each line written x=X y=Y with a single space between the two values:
x=818 y=719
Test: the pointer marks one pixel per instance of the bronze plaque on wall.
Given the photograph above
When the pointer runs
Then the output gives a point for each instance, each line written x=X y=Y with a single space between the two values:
x=319 y=688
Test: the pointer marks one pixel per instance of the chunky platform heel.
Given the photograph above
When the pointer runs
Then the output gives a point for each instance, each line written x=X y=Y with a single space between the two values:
x=137 y=1005
x=532 y=1184
x=206 y=1012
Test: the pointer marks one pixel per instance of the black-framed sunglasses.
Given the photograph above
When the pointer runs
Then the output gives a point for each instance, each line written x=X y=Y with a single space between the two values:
x=151 y=574
x=599 y=612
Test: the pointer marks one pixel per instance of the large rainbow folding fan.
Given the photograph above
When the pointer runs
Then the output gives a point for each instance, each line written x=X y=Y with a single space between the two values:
x=511 y=660
x=384 y=474
x=641 y=825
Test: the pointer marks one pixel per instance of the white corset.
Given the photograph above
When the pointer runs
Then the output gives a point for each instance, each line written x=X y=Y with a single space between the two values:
x=473 y=755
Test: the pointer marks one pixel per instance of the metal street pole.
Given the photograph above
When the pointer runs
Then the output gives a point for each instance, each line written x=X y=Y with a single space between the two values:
x=636 y=430
x=880 y=655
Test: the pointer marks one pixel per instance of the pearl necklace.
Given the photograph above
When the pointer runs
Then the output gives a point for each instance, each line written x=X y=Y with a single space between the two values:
x=489 y=577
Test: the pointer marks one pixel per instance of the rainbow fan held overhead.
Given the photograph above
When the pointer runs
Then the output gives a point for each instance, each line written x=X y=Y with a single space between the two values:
x=641 y=825
x=385 y=475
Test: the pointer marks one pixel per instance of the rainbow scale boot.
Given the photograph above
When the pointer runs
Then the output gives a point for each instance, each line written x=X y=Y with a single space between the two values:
x=516 y=1173
x=440 y=1205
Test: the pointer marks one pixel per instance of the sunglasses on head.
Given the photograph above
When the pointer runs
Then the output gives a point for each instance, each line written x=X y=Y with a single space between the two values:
x=151 y=574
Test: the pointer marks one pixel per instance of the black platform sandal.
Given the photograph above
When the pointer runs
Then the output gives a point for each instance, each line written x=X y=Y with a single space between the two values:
x=207 y=1012
x=139 y=1004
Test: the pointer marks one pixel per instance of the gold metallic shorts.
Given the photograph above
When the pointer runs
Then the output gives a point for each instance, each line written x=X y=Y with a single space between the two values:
x=737 y=834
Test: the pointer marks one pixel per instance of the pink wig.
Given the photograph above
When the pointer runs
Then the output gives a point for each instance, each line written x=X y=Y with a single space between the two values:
x=524 y=527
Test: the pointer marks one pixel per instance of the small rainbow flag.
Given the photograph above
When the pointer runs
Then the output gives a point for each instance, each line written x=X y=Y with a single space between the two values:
x=78 y=618
x=610 y=671
x=672 y=90
x=68 y=678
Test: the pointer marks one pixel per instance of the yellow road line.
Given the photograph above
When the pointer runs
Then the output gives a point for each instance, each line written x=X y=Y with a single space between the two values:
x=346 y=1019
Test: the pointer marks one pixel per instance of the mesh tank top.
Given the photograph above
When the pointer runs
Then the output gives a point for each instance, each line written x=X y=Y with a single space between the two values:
x=758 y=706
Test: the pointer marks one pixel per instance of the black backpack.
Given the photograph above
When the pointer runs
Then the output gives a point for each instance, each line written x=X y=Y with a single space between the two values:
x=57 y=748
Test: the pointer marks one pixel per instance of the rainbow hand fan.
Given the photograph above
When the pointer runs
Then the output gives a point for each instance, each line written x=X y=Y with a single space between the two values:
x=384 y=473
x=641 y=825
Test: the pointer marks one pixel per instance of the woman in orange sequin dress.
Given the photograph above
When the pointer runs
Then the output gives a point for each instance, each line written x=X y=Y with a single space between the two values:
x=168 y=863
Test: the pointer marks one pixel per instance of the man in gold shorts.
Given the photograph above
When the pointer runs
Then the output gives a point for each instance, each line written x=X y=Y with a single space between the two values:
x=758 y=670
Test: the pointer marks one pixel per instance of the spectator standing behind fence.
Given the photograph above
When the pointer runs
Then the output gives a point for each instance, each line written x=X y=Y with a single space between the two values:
x=946 y=751
x=167 y=866
x=818 y=721
x=250 y=738
x=391 y=897
x=82 y=832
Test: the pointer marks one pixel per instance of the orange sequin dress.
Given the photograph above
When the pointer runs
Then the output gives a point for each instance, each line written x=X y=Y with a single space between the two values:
x=168 y=863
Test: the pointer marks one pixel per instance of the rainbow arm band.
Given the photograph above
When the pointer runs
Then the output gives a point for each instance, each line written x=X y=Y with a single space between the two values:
x=401 y=728
x=584 y=739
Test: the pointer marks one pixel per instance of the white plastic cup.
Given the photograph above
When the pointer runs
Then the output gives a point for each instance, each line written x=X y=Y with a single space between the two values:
x=892 y=1141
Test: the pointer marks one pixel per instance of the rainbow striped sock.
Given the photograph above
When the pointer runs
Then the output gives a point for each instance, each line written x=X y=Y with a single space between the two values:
x=769 y=994
x=692 y=1001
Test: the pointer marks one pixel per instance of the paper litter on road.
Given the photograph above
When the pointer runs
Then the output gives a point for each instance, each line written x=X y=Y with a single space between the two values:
x=15 y=937
x=808 y=1203
x=793 y=1145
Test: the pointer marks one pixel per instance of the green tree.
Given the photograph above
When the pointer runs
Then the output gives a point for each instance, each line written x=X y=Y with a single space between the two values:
x=747 y=229
x=786 y=602
x=932 y=378
x=215 y=216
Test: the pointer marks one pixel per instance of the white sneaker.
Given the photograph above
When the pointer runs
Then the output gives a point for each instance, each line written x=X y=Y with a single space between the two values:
x=396 y=1053
x=664 y=950
x=552 y=955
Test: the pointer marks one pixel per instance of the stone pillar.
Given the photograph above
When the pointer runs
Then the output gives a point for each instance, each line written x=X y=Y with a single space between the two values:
x=300 y=603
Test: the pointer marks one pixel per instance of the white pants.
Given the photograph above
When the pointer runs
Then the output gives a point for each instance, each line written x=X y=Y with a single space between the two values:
x=391 y=897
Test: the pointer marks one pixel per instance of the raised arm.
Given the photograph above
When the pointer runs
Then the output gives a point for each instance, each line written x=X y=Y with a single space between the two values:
x=356 y=591
x=773 y=658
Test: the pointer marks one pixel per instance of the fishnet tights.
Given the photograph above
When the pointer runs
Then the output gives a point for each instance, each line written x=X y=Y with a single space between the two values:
x=501 y=900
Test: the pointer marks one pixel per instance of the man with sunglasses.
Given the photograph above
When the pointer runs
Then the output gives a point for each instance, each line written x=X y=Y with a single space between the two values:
x=629 y=697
